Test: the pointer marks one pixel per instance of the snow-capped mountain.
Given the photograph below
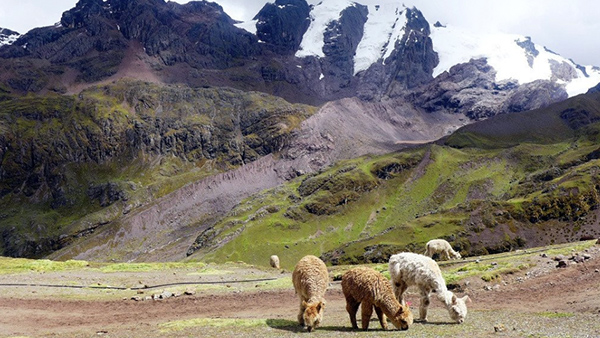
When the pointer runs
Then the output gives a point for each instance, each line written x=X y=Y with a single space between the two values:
x=514 y=57
x=304 y=53
x=8 y=37
x=385 y=24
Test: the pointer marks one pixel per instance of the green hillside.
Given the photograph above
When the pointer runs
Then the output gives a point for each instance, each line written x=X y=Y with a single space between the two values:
x=514 y=181
x=70 y=164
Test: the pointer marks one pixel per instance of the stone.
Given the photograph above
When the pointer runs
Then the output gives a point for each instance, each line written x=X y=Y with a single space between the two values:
x=499 y=328
x=562 y=264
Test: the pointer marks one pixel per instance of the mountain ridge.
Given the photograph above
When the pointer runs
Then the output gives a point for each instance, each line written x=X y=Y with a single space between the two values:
x=190 y=43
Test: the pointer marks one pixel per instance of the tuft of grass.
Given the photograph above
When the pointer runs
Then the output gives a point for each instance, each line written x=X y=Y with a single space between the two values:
x=22 y=265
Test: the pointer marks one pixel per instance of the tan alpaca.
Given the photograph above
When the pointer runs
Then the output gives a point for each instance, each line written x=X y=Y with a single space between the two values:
x=310 y=278
x=369 y=287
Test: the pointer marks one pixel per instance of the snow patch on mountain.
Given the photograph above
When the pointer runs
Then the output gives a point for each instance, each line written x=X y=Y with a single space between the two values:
x=249 y=26
x=385 y=25
x=511 y=60
x=8 y=37
x=321 y=16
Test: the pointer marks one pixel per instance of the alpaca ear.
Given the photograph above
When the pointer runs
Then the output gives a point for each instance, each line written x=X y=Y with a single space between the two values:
x=319 y=306
x=466 y=299
x=304 y=303
x=453 y=299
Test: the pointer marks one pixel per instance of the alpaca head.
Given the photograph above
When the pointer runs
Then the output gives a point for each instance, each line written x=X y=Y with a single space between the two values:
x=457 y=255
x=313 y=314
x=458 y=308
x=403 y=318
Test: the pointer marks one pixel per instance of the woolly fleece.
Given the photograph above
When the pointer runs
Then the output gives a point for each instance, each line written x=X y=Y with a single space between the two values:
x=369 y=287
x=407 y=269
x=310 y=278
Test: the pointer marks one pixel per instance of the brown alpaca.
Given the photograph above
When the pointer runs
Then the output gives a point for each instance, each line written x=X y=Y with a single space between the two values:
x=310 y=279
x=369 y=287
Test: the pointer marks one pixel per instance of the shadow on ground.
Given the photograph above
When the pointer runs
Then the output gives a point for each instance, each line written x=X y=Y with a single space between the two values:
x=293 y=326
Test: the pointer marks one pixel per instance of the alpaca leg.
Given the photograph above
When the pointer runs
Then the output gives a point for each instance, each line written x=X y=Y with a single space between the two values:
x=424 y=305
x=352 y=308
x=446 y=255
x=399 y=289
x=301 y=313
x=382 y=319
x=366 y=311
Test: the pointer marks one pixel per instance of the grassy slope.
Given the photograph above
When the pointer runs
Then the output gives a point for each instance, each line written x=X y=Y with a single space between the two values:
x=484 y=177
x=82 y=141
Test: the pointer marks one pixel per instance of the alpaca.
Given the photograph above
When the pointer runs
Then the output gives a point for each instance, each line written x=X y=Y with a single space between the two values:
x=408 y=269
x=274 y=261
x=310 y=278
x=441 y=247
x=369 y=287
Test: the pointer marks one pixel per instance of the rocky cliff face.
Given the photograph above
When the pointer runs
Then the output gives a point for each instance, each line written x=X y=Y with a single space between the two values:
x=282 y=24
x=59 y=154
x=471 y=89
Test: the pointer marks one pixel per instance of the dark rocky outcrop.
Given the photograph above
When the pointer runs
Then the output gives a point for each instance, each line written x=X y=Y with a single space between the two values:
x=106 y=194
x=594 y=89
x=282 y=24
x=341 y=40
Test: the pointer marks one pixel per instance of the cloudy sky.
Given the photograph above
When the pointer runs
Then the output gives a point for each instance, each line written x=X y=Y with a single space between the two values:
x=569 y=28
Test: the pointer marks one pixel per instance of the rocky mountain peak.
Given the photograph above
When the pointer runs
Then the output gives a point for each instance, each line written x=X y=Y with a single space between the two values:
x=8 y=36
x=85 y=13
x=282 y=24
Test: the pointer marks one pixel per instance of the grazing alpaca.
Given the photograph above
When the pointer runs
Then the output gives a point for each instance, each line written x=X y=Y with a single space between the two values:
x=369 y=287
x=274 y=261
x=310 y=278
x=441 y=247
x=408 y=269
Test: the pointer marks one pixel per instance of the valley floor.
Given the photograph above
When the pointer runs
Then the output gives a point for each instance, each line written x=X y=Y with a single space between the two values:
x=541 y=301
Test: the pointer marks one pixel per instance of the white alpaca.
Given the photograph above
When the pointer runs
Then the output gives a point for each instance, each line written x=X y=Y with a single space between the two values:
x=407 y=269
x=274 y=261
x=441 y=247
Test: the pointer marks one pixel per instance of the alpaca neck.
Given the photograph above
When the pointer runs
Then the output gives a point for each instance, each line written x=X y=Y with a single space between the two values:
x=445 y=296
x=389 y=305
x=314 y=299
